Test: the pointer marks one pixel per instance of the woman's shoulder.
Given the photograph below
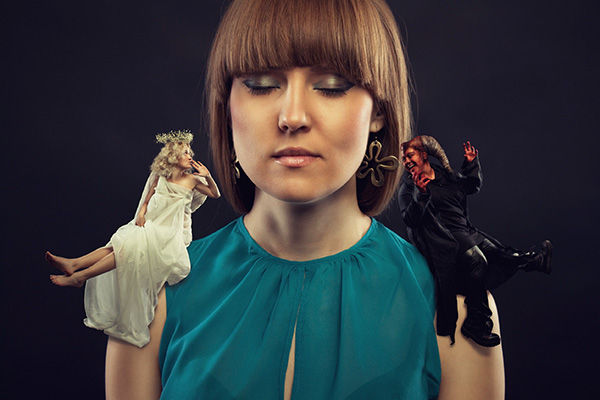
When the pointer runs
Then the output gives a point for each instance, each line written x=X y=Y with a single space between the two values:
x=395 y=242
x=470 y=371
x=188 y=181
x=220 y=237
x=198 y=178
x=400 y=254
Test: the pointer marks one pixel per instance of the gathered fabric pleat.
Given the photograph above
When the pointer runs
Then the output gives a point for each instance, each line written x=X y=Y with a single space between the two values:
x=363 y=320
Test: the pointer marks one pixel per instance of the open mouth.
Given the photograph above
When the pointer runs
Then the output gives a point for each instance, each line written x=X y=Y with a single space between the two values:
x=409 y=166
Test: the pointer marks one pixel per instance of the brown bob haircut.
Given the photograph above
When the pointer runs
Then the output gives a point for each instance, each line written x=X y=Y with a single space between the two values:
x=357 y=38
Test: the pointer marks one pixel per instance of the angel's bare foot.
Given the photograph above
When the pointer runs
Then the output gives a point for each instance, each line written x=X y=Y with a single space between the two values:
x=64 y=264
x=64 y=280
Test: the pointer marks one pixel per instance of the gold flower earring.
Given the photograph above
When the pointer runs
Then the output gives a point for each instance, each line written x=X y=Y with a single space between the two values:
x=374 y=165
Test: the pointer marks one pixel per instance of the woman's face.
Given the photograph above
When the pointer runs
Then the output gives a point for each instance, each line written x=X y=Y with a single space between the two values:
x=300 y=134
x=414 y=160
x=185 y=160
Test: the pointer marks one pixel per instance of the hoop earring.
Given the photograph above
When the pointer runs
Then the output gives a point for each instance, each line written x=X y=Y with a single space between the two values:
x=234 y=166
x=375 y=165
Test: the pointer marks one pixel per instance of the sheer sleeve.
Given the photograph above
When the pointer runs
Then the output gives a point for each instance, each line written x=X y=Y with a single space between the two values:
x=149 y=182
x=198 y=198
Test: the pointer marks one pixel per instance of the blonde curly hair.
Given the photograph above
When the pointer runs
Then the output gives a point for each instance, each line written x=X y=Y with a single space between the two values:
x=164 y=163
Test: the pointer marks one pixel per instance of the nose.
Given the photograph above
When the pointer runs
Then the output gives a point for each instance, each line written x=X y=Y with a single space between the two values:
x=293 y=115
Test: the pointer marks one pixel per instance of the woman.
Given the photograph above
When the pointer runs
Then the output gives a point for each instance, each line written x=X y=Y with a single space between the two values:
x=433 y=200
x=125 y=276
x=305 y=296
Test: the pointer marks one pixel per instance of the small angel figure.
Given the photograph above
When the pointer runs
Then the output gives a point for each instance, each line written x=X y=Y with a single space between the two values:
x=123 y=278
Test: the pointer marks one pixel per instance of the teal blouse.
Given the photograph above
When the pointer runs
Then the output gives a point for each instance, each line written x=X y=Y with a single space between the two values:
x=363 y=318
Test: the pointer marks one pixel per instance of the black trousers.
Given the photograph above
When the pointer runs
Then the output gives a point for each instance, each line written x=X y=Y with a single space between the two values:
x=487 y=266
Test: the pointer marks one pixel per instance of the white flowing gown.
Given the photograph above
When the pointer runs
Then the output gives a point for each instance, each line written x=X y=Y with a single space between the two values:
x=121 y=302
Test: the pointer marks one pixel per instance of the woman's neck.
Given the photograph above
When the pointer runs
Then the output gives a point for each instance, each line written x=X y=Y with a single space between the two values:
x=178 y=174
x=428 y=170
x=307 y=231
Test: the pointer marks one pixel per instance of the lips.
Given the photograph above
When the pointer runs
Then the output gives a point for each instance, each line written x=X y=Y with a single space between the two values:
x=295 y=157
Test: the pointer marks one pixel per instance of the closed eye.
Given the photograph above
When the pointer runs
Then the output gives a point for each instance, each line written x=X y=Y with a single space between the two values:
x=334 y=92
x=261 y=84
x=333 y=86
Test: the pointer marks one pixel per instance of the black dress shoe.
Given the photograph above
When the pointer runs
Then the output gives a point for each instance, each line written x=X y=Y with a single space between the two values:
x=482 y=338
x=478 y=327
x=541 y=261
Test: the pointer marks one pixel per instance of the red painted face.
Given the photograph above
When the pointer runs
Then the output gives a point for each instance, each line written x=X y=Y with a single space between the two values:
x=414 y=160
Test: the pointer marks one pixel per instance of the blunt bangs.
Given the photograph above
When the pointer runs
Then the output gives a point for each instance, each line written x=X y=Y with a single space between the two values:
x=280 y=34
